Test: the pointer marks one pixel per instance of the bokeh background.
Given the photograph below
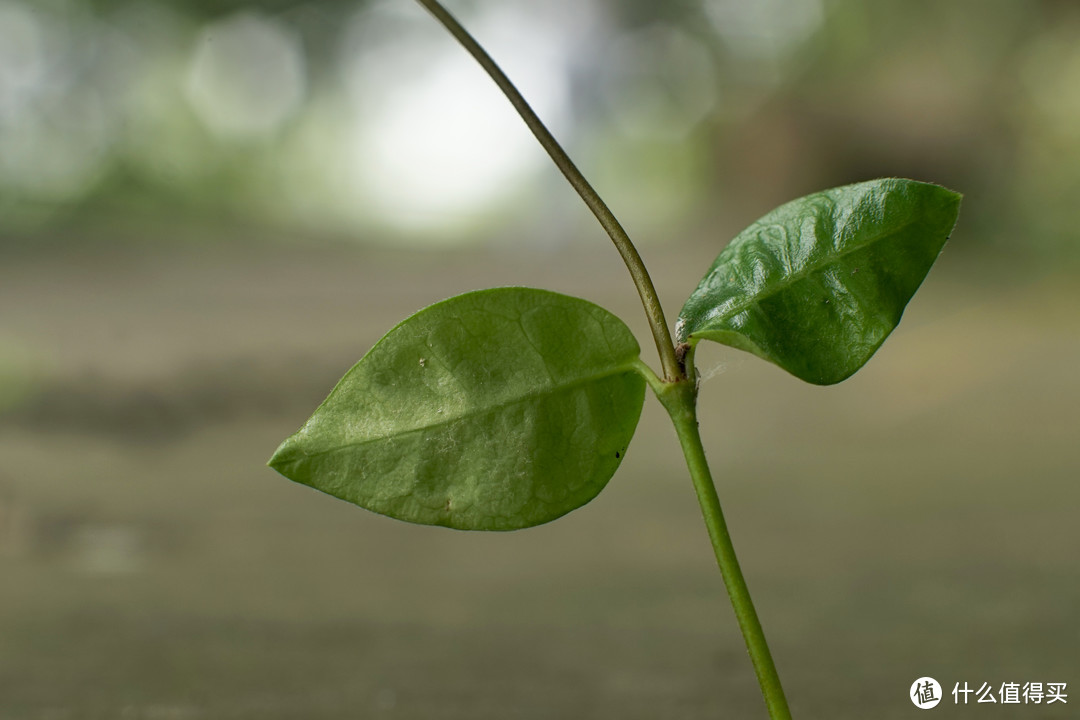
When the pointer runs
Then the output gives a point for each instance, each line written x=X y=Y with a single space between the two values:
x=210 y=210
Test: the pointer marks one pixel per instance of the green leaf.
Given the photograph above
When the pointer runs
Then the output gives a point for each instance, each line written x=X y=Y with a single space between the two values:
x=494 y=410
x=818 y=284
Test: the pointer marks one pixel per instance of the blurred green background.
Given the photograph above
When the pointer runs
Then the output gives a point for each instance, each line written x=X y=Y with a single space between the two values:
x=210 y=210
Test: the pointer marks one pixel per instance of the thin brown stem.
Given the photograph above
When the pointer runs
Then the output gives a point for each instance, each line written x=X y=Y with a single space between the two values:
x=645 y=288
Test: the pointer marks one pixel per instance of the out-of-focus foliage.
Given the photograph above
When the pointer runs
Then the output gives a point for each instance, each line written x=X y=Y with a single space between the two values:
x=335 y=117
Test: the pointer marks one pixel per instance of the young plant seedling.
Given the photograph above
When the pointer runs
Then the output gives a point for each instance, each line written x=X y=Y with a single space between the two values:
x=507 y=408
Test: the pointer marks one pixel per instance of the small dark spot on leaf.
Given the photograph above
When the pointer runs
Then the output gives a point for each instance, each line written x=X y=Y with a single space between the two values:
x=617 y=453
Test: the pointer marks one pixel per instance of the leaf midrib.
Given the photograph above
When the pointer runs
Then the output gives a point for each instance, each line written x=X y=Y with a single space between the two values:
x=473 y=412
x=758 y=297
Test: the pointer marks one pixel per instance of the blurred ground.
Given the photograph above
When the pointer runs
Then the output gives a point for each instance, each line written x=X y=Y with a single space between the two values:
x=919 y=519
x=171 y=174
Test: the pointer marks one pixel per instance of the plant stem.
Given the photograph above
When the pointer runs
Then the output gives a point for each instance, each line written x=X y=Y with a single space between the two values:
x=677 y=393
x=680 y=400
x=649 y=299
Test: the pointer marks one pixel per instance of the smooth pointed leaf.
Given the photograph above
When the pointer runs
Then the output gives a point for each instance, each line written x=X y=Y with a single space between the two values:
x=493 y=410
x=816 y=285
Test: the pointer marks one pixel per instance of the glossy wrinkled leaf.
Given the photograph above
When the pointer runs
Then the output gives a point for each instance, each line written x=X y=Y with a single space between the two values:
x=493 y=410
x=818 y=284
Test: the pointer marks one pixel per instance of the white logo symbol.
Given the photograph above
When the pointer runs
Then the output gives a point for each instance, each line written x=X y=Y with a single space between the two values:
x=925 y=693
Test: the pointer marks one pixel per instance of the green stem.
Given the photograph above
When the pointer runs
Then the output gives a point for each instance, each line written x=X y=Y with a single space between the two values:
x=677 y=393
x=644 y=284
x=680 y=400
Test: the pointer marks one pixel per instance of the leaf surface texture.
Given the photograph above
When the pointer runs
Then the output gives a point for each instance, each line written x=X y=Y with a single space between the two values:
x=494 y=410
x=816 y=285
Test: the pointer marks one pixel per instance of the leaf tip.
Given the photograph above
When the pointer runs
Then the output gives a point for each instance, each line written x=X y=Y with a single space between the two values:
x=952 y=197
x=948 y=198
x=284 y=457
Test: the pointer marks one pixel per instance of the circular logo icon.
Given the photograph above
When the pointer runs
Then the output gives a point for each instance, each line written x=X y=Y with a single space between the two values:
x=925 y=693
